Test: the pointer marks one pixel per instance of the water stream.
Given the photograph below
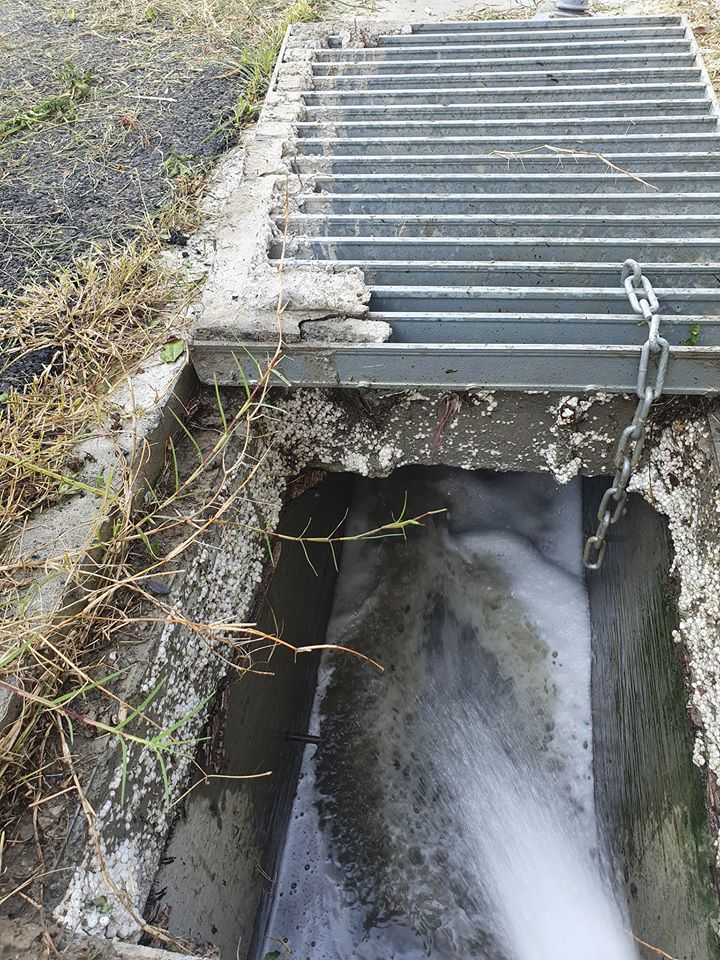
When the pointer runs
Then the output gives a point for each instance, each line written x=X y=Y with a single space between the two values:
x=447 y=811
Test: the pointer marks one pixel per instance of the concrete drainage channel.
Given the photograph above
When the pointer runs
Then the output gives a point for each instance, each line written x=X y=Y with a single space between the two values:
x=222 y=871
x=234 y=846
x=614 y=699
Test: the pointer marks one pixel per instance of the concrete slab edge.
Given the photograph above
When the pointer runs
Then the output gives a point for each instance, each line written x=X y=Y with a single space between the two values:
x=23 y=940
x=146 y=407
x=247 y=297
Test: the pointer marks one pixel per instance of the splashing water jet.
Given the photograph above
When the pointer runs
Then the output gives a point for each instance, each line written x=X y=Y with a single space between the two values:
x=448 y=811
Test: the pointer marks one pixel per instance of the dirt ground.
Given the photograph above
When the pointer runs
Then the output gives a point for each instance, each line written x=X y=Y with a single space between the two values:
x=152 y=95
x=108 y=110
x=26 y=942
x=29 y=940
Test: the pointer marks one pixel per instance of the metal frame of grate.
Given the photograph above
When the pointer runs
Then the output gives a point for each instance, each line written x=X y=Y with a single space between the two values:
x=489 y=179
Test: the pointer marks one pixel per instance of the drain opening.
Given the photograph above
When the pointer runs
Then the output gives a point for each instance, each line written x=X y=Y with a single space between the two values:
x=484 y=628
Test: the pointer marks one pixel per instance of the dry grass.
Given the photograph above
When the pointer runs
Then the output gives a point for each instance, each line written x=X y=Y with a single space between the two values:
x=519 y=11
x=216 y=24
x=97 y=320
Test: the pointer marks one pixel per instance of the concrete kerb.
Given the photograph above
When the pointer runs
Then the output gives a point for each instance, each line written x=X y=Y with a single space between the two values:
x=67 y=541
x=142 y=414
x=146 y=407
x=246 y=296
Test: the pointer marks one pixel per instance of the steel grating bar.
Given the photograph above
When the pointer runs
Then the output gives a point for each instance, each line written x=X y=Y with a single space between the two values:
x=464 y=273
x=505 y=71
x=510 y=146
x=576 y=31
x=414 y=113
x=492 y=96
x=492 y=51
x=548 y=366
x=542 y=249
x=510 y=65
x=599 y=300
x=489 y=179
x=500 y=78
x=520 y=204
x=629 y=164
x=499 y=225
x=534 y=185
x=520 y=328
x=537 y=73
x=523 y=127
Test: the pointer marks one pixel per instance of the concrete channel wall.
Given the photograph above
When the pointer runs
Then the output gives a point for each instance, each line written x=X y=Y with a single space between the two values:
x=648 y=793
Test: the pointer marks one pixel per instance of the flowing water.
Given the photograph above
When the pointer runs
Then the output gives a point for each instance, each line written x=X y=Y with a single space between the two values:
x=447 y=810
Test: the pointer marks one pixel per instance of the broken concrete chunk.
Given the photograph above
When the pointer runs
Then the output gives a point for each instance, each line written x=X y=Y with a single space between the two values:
x=345 y=330
x=297 y=294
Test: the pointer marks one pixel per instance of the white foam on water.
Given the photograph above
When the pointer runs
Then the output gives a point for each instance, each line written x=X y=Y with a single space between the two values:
x=550 y=895
x=448 y=811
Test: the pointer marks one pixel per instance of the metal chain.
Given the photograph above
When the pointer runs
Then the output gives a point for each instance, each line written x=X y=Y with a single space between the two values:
x=656 y=349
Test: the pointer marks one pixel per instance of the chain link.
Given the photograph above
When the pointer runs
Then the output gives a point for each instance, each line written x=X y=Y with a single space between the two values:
x=654 y=357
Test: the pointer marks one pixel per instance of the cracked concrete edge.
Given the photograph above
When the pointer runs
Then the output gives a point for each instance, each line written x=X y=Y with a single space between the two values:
x=680 y=478
x=248 y=297
x=714 y=434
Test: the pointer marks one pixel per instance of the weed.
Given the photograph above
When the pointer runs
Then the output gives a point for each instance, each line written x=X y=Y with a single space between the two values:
x=692 y=340
x=257 y=60
x=173 y=350
x=61 y=107
x=175 y=165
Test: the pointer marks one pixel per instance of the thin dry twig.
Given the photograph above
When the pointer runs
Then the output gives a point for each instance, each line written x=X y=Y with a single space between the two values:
x=561 y=152
x=207 y=777
x=120 y=894
x=656 y=950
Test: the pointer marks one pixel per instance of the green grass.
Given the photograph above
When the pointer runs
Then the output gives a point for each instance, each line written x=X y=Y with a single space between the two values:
x=76 y=86
x=257 y=61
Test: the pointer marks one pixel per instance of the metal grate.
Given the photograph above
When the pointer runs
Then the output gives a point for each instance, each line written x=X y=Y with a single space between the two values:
x=490 y=179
